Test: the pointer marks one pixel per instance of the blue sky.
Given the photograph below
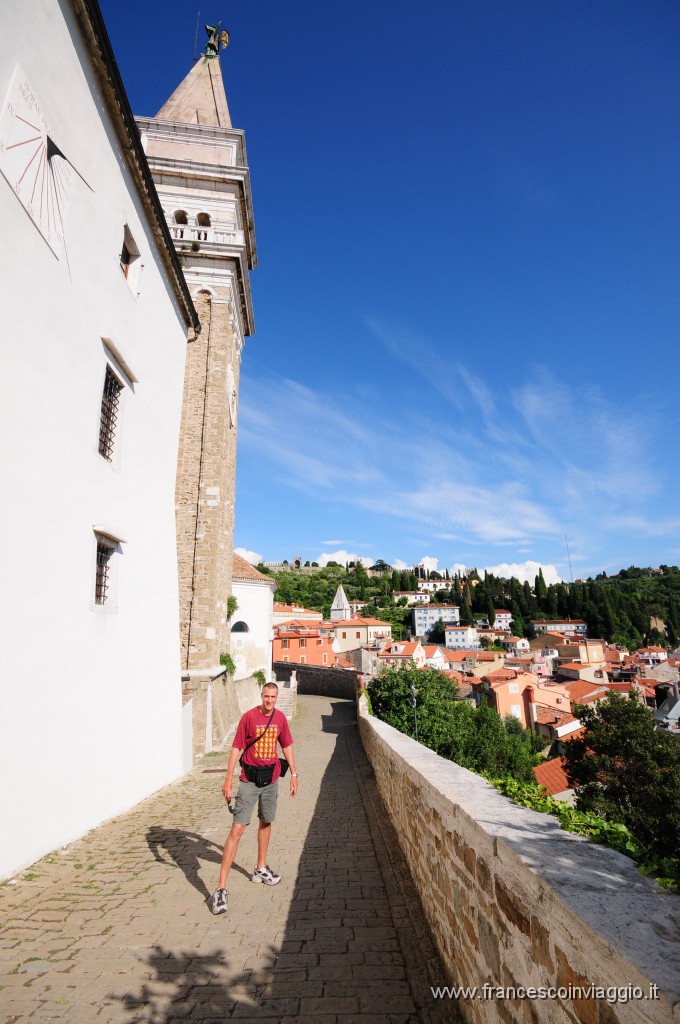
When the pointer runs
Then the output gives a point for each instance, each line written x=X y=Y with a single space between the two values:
x=468 y=303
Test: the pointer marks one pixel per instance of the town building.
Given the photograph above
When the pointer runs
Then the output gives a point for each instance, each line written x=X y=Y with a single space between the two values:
x=426 y=617
x=285 y=612
x=96 y=313
x=361 y=632
x=412 y=596
x=516 y=646
x=199 y=164
x=503 y=618
x=432 y=586
x=403 y=652
x=461 y=638
x=252 y=623
x=568 y=627
x=305 y=645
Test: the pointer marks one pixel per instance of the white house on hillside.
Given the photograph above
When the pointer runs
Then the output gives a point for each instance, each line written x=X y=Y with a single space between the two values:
x=461 y=638
x=427 y=616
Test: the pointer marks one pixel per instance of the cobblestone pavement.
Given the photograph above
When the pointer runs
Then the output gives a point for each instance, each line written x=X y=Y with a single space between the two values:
x=116 y=927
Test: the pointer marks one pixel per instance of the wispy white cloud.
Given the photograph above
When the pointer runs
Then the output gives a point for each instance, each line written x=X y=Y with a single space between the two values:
x=526 y=572
x=342 y=557
x=544 y=459
x=254 y=557
x=647 y=527
x=597 y=446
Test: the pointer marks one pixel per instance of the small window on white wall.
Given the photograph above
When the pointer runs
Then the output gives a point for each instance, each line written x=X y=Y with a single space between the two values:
x=130 y=261
x=108 y=551
x=108 y=418
x=102 y=581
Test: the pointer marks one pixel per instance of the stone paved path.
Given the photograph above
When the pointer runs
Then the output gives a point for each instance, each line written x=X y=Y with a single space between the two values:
x=116 y=928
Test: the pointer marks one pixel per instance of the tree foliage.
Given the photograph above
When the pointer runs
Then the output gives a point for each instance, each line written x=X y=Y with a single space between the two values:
x=627 y=772
x=475 y=738
x=618 y=608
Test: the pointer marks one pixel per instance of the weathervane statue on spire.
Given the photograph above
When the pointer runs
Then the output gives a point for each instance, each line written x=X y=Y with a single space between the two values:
x=218 y=39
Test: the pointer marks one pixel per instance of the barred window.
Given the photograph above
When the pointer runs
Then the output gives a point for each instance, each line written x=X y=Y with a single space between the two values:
x=109 y=414
x=102 y=579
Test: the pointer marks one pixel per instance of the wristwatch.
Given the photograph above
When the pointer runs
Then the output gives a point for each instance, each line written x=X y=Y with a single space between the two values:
x=293 y=775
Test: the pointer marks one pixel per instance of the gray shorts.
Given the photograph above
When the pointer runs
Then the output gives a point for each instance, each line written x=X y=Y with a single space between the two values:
x=248 y=795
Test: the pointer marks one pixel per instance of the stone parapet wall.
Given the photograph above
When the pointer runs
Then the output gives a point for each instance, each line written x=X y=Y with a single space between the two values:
x=513 y=900
x=323 y=682
x=227 y=701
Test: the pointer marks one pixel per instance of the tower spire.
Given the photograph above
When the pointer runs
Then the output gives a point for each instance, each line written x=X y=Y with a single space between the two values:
x=200 y=98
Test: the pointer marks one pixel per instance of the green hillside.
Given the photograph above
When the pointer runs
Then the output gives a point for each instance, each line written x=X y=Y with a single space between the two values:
x=636 y=607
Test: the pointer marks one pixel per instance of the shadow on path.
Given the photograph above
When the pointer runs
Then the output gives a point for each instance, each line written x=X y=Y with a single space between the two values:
x=186 y=850
x=355 y=943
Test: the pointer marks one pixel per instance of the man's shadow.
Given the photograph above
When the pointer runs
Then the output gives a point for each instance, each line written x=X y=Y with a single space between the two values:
x=188 y=851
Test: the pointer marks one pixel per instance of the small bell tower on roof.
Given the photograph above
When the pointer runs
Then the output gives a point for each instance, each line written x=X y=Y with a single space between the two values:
x=340 y=610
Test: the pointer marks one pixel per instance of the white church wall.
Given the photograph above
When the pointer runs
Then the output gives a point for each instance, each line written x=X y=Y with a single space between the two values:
x=90 y=710
x=252 y=650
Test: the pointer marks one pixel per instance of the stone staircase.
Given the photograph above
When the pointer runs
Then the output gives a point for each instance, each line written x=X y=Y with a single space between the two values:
x=287 y=701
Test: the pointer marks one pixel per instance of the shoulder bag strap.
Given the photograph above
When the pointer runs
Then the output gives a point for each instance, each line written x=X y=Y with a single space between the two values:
x=260 y=736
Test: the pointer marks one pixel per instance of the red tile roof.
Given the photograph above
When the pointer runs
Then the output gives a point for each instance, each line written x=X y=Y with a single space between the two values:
x=458 y=655
x=243 y=570
x=552 y=716
x=552 y=776
x=500 y=674
x=360 y=621
x=582 y=688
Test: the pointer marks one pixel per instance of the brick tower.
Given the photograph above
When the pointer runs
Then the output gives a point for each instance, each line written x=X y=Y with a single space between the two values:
x=198 y=161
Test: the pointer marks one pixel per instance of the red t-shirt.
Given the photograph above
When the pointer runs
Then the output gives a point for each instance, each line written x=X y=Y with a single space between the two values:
x=253 y=724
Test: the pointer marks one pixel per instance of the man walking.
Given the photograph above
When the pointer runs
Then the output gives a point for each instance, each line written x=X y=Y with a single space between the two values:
x=257 y=735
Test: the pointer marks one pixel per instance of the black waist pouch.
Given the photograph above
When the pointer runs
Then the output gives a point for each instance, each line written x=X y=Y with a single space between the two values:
x=261 y=775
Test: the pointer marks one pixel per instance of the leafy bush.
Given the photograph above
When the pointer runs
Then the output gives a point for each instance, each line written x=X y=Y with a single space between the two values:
x=613 y=834
x=474 y=738
x=227 y=662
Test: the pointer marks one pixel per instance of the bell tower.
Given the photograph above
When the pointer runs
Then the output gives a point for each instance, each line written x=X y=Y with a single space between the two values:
x=198 y=161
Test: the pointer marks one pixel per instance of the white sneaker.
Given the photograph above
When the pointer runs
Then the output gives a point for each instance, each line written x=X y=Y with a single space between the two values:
x=219 y=901
x=266 y=875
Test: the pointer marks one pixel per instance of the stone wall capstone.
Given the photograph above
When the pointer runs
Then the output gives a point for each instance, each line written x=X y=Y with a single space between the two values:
x=514 y=901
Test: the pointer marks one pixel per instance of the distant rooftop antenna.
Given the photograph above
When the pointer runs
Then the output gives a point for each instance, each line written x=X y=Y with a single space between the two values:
x=571 y=571
x=198 y=16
